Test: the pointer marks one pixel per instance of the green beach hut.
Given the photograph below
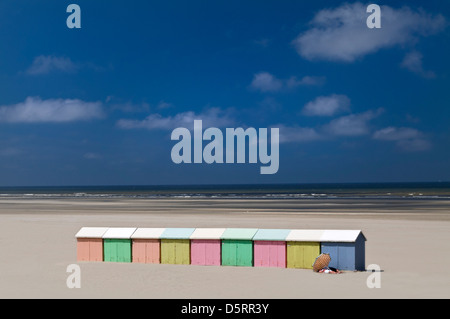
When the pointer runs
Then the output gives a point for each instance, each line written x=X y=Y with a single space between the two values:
x=237 y=246
x=117 y=244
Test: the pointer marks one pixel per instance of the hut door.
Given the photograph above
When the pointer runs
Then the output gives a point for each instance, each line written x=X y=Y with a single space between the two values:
x=244 y=253
x=229 y=248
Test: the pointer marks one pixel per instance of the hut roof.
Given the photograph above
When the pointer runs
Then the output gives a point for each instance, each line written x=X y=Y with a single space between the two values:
x=177 y=233
x=207 y=233
x=148 y=233
x=119 y=232
x=271 y=234
x=91 y=232
x=305 y=235
x=319 y=235
x=239 y=233
x=338 y=235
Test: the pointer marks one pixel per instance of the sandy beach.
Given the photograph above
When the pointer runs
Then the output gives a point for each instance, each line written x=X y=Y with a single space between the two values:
x=408 y=239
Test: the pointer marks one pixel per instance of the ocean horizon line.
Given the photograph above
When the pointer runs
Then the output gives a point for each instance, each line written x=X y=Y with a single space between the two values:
x=374 y=190
x=391 y=183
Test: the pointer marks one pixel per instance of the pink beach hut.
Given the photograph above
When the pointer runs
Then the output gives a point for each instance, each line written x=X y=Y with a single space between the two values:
x=269 y=247
x=90 y=243
x=205 y=246
x=146 y=245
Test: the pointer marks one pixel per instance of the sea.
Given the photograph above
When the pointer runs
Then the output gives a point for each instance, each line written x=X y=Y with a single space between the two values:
x=419 y=190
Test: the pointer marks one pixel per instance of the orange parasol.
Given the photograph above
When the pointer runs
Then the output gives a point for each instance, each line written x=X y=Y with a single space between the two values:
x=321 y=262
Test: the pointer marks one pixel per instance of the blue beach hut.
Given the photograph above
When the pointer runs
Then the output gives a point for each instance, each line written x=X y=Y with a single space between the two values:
x=346 y=248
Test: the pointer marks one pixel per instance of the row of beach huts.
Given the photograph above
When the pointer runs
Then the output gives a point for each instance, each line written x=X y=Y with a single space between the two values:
x=252 y=247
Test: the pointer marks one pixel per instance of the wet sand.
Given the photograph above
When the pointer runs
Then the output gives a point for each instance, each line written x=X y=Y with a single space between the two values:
x=408 y=239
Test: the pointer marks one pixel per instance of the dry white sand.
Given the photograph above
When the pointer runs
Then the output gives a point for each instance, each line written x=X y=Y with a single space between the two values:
x=410 y=241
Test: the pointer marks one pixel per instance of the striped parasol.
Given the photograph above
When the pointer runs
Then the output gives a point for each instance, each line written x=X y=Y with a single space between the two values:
x=321 y=262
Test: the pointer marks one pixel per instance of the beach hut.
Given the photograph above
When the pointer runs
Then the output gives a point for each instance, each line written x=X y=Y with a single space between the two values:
x=269 y=247
x=146 y=246
x=237 y=246
x=90 y=243
x=117 y=244
x=303 y=246
x=205 y=246
x=175 y=246
x=346 y=248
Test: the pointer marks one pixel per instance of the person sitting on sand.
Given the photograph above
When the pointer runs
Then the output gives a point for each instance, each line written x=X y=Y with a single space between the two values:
x=321 y=264
x=330 y=270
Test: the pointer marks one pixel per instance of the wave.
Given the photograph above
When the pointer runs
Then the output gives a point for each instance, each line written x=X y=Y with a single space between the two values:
x=219 y=196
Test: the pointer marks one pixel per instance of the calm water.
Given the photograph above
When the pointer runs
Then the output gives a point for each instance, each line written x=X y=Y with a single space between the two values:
x=438 y=190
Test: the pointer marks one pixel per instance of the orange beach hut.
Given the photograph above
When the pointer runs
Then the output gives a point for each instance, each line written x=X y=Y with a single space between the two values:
x=90 y=243
x=147 y=245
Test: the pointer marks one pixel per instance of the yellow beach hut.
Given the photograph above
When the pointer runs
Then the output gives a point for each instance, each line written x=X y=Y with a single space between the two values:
x=303 y=246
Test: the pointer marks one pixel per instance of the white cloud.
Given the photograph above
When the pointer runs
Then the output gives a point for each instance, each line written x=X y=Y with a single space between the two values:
x=341 y=34
x=211 y=117
x=327 y=105
x=46 y=64
x=349 y=125
x=114 y=103
x=297 y=134
x=266 y=82
x=129 y=107
x=36 y=110
x=413 y=62
x=414 y=145
x=352 y=125
x=164 y=105
x=293 y=82
x=408 y=139
x=396 y=134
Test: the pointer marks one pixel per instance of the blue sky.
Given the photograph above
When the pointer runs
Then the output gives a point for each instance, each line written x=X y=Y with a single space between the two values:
x=97 y=105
